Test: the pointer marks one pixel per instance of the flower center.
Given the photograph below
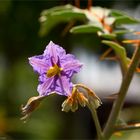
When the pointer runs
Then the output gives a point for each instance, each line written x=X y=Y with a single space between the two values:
x=54 y=70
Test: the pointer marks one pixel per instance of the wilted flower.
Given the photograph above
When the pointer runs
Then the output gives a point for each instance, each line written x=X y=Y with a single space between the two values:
x=71 y=103
x=55 y=69
x=31 y=105
x=83 y=98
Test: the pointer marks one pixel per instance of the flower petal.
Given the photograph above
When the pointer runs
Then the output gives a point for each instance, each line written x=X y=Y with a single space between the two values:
x=39 y=64
x=54 y=51
x=71 y=64
x=65 y=86
x=43 y=88
x=42 y=78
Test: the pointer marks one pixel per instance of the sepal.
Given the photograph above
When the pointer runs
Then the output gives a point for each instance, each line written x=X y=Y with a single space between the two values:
x=31 y=105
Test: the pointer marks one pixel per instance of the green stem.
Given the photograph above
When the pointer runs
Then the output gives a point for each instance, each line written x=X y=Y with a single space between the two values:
x=96 y=121
x=92 y=108
x=109 y=128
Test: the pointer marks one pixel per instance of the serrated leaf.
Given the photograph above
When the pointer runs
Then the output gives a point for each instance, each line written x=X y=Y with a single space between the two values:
x=120 y=52
x=85 y=29
x=59 y=17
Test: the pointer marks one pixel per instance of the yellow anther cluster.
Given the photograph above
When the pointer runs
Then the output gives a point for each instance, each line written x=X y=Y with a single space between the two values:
x=54 y=70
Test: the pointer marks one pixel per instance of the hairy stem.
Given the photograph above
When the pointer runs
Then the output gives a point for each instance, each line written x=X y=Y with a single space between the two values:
x=109 y=128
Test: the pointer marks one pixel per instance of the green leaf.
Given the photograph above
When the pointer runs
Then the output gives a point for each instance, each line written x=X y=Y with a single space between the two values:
x=126 y=20
x=107 y=36
x=67 y=15
x=122 y=18
x=116 y=13
x=123 y=31
x=56 y=9
x=120 y=52
x=86 y=29
x=54 y=18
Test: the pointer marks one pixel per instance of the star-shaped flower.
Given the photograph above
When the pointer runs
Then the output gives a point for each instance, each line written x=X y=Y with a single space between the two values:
x=55 y=69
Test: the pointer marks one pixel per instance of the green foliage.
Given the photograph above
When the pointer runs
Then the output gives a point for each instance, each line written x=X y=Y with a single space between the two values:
x=110 y=36
x=125 y=20
x=122 y=18
x=95 y=20
x=52 y=17
x=122 y=31
x=56 y=9
x=85 y=29
x=120 y=52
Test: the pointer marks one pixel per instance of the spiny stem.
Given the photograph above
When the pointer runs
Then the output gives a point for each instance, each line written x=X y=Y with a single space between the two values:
x=109 y=128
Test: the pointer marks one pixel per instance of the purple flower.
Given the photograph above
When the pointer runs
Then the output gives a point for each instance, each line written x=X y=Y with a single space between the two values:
x=55 y=69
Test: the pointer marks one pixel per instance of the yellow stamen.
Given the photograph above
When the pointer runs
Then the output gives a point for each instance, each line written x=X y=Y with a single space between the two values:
x=55 y=70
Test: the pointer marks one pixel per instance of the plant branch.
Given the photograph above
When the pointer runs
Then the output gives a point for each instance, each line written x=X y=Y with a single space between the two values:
x=96 y=121
x=127 y=127
x=92 y=107
x=109 y=128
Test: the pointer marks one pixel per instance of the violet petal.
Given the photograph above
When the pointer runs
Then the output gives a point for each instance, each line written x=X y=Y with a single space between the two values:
x=40 y=65
x=65 y=85
x=43 y=88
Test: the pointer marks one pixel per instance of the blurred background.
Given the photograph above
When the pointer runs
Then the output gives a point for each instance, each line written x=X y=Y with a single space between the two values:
x=19 y=39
